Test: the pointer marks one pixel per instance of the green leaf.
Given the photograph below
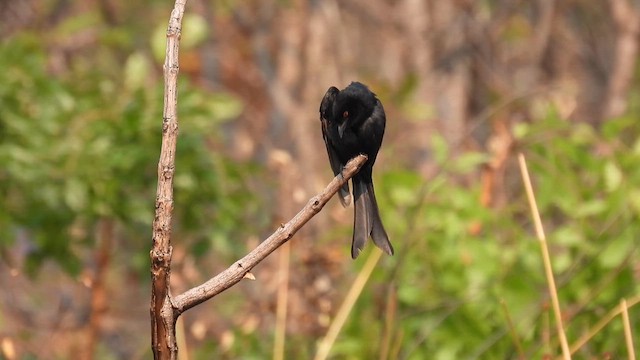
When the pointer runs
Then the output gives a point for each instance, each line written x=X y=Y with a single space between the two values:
x=589 y=208
x=634 y=200
x=440 y=148
x=568 y=236
x=612 y=176
x=224 y=106
x=136 y=71
x=159 y=42
x=76 y=194
x=411 y=295
x=469 y=161
x=615 y=251
x=636 y=147
x=195 y=31
x=403 y=187
x=583 y=134
x=520 y=130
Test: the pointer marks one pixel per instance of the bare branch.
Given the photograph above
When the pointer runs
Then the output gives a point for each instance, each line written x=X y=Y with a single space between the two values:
x=237 y=271
x=165 y=309
x=163 y=328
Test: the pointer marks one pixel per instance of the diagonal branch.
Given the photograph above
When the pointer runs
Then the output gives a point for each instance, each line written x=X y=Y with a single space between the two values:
x=285 y=232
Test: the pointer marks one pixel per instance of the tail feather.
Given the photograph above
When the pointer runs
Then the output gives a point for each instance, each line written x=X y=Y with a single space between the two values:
x=345 y=196
x=378 y=233
x=361 y=218
x=367 y=220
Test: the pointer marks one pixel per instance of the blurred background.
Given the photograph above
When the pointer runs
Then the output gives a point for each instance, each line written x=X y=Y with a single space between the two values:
x=466 y=86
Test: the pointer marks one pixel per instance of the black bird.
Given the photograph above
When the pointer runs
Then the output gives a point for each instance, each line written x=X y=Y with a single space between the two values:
x=353 y=122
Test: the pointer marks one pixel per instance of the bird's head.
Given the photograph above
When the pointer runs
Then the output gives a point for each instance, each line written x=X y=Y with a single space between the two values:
x=353 y=106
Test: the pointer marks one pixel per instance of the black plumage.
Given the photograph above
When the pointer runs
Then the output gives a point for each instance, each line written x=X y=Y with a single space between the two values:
x=353 y=122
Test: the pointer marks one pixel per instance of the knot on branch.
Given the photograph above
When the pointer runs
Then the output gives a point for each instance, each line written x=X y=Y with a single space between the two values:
x=161 y=258
x=167 y=172
x=316 y=204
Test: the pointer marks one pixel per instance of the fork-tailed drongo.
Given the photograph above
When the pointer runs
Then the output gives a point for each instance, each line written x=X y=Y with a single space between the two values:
x=353 y=122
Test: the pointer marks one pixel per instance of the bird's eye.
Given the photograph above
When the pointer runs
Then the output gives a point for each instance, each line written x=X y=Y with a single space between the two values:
x=345 y=114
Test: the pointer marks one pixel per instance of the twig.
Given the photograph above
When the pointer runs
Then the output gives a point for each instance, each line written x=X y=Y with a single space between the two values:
x=358 y=284
x=545 y=256
x=235 y=272
x=627 y=329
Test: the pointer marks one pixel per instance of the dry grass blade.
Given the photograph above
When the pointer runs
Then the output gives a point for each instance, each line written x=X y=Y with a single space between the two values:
x=545 y=256
x=627 y=329
x=389 y=323
x=283 y=301
x=602 y=323
x=358 y=284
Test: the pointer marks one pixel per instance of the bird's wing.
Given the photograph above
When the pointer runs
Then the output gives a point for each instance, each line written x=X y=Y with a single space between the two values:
x=373 y=131
x=326 y=106
x=336 y=164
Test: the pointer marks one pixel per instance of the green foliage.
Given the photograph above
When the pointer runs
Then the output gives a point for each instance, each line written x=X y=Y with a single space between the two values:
x=450 y=281
x=83 y=147
x=80 y=144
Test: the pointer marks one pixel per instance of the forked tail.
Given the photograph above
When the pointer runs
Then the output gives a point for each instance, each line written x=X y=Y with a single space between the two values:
x=366 y=220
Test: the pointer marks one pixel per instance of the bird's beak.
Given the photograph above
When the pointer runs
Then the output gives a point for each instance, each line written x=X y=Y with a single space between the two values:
x=341 y=128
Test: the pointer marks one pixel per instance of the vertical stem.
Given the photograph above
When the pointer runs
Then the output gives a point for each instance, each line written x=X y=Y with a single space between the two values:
x=162 y=316
x=545 y=257
x=341 y=317
x=98 y=287
x=391 y=309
